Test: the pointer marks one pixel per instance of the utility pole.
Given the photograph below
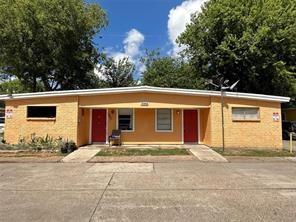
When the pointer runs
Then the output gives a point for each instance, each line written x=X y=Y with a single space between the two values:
x=222 y=115
x=223 y=86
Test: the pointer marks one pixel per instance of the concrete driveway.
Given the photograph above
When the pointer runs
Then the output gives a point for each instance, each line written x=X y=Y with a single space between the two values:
x=178 y=191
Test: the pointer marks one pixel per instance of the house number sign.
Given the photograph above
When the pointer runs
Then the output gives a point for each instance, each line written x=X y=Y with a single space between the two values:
x=276 y=117
x=8 y=113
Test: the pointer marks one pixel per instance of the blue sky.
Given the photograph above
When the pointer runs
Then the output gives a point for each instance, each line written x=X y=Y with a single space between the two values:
x=149 y=17
x=135 y=25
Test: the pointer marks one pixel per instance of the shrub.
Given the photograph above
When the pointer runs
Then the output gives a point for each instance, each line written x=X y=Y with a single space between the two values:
x=38 y=143
x=68 y=146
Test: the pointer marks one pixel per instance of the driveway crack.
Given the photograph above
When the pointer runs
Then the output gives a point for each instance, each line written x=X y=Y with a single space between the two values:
x=101 y=197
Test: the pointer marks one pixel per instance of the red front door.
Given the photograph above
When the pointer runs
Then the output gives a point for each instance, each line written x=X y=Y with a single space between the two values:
x=190 y=126
x=98 y=125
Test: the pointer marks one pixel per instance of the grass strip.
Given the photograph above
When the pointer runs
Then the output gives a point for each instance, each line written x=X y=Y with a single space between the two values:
x=142 y=152
x=254 y=152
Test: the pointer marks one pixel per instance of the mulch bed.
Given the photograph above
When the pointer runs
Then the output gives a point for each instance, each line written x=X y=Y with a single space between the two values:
x=141 y=159
x=29 y=156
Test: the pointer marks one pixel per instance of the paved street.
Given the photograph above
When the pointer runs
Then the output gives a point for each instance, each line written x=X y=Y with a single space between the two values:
x=175 y=191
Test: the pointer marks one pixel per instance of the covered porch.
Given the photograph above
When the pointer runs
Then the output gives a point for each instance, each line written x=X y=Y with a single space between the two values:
x=144 y=123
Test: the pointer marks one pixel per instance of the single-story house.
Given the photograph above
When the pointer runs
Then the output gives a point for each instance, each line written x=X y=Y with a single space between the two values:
x=146 y=115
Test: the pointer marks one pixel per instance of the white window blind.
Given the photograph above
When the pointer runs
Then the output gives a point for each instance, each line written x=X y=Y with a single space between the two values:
x=245 y=113
x=164 y=119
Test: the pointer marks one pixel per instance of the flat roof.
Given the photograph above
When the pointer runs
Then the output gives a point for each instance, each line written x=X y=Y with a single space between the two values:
x=138 y=89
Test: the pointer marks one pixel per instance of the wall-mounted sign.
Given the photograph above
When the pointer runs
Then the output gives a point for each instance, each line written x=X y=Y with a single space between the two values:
x=276 y=117
x=144 y=104
x=8 y=113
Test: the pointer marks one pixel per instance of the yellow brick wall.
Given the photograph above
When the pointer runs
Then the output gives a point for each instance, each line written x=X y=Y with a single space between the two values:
x=205 y=126
x=65 y=124
x=247 y=134
x=83 y=127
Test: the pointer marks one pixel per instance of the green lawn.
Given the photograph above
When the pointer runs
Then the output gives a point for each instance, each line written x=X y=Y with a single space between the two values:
x=255 y=153
x=142 y=152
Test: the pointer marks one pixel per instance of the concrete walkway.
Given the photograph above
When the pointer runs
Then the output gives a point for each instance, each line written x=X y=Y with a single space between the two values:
x=205 y=154
x=82 y=155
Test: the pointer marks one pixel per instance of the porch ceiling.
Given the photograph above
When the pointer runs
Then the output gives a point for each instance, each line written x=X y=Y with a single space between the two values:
x=147 y=105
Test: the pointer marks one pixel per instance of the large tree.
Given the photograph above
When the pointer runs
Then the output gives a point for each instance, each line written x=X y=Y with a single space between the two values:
x=254 y=41
x=116 y=73
x=169 y=72
x=49 y=41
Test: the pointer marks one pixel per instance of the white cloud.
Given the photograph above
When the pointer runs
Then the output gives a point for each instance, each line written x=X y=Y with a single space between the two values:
x=131 y=45
x=179 y=17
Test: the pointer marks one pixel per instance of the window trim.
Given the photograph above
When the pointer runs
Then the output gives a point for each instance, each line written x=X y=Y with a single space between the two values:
x=41 y=118
x=117 y=120
x=172 y=122
x=246 y=120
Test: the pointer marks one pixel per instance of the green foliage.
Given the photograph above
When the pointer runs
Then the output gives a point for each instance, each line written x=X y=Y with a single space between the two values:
x=169 y=72
x=253 y=41
x=116 y=73
x=38 y=143
x=68 y=146
x=49 y=41
x=15 y=86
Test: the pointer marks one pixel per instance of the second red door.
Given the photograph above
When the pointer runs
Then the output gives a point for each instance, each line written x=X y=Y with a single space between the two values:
x=190 y=126
x=98 y=125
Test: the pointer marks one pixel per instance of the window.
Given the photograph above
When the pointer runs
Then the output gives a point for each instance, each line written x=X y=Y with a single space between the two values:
x=41 y=111
x=163 y=120
x=245 y=113
x=2 y=115
x=126 y=119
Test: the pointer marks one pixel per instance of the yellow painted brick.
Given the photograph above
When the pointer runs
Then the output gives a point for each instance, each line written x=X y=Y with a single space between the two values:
x=64 y=126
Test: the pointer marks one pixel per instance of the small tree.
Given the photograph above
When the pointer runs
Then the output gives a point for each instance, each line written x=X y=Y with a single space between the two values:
x=169 y=72
x=114 y=73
